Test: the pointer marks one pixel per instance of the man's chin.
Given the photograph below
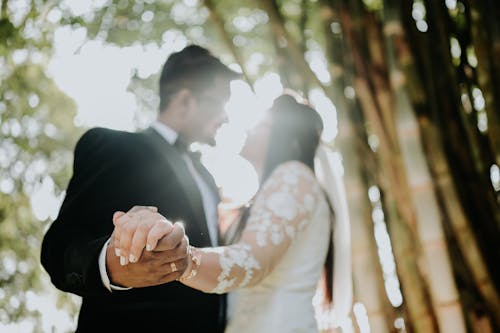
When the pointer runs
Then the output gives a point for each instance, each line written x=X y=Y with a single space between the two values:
x=208 y=141
x=211 y=142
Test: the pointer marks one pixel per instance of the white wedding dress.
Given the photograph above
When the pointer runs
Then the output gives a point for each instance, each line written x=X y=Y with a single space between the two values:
x=274 y=269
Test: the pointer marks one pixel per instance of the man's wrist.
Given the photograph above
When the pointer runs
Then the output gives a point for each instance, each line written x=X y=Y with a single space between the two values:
x=106 y=281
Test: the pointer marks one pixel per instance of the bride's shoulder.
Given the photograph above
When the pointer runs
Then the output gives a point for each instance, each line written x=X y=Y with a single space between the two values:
x=291 y=183
x=295 y=174
x=294 y=168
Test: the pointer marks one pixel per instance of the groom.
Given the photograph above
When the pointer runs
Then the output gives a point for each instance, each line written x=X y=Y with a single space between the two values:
x=116 y=170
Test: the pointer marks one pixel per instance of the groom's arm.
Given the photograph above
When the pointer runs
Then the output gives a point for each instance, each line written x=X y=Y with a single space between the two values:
x=73 y=243
x=70 y=247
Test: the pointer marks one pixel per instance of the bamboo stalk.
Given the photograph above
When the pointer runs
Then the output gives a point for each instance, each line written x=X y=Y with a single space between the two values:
x=486 y=74
x=445 y=300
x=392 y=179
x=478 y=148
x=4 y=9
x=414 y=291
x=367 y=273
x=389 y=148
x=466 y=159
x=440 y=171
x=282 y=40
x=379 y=75
x=491 y=13
x=480 y=324
x=366 y=268
x=304 y=18
x=219 y=23
x=444 y=293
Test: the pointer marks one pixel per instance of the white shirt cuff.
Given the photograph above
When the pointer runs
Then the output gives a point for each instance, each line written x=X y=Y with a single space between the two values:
x=104 y=274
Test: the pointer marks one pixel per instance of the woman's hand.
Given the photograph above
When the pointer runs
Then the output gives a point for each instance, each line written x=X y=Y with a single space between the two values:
x=142 y=227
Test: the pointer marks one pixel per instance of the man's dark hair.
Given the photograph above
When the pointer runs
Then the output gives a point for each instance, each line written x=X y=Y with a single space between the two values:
x=193 y=68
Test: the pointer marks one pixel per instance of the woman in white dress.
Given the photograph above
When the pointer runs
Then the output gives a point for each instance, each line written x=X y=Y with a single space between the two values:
x=280 y=245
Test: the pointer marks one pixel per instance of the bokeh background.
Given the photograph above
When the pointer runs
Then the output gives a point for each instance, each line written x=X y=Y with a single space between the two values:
x=409 y=91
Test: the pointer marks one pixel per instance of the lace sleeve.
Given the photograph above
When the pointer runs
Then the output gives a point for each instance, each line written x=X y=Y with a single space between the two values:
x=282 y=209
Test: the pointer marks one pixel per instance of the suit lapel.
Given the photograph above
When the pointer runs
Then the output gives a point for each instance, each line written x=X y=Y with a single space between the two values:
x=174 y=158
x=207 y=177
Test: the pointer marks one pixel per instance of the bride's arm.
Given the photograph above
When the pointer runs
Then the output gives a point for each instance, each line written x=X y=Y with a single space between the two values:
x=282 y=209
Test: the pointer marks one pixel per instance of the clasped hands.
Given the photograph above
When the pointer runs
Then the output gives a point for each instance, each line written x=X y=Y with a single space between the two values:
x=146 y=249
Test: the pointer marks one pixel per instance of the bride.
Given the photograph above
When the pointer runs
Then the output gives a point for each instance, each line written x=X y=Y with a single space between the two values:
x=280 y=247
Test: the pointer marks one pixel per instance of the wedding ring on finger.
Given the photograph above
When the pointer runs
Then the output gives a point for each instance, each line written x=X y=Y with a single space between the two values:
x=173 y=267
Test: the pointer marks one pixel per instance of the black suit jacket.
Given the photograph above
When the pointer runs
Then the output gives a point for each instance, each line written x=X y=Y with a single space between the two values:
x=112 y=171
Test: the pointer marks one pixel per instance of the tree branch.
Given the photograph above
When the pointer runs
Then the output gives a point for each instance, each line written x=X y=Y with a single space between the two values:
x=293 y=49
x=4 y=9
x=219 y=23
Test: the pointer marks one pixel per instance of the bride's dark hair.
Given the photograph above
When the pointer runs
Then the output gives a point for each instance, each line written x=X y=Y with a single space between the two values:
x=295 y=135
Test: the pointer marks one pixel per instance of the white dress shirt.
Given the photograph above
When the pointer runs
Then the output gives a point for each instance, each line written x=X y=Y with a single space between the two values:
x=209 y=200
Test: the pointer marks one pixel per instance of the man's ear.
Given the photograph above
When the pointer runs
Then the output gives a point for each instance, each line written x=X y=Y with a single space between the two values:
x=183 y=102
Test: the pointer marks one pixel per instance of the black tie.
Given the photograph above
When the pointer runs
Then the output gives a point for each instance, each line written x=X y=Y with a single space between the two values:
x=183 y=148
x=181 y=145
x=195 y=158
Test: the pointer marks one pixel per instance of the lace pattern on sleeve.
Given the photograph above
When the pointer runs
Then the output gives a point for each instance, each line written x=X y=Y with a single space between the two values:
x=281 y=210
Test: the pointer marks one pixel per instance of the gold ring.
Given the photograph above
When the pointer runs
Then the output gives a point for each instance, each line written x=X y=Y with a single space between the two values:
x=173 y=267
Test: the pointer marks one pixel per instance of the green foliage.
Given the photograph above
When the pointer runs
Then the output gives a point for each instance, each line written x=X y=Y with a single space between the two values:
x=124 y=22
x=7 y=32
x=36 y=141
x=249 y=28
x=373 y=5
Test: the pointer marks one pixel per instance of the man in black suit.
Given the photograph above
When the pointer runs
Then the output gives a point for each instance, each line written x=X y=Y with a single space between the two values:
x=115 y=170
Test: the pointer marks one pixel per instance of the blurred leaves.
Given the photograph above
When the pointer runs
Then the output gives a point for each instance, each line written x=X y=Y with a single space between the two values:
x=36 y=141
x=7 y=31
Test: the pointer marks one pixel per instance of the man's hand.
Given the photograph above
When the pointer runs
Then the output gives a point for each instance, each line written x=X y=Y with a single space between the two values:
x=165 y=258
x=154 y=267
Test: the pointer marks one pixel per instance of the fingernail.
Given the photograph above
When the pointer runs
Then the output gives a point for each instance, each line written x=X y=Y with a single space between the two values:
x=148 y=247
x=132 y=258
x=123 y=261
x=117 y=252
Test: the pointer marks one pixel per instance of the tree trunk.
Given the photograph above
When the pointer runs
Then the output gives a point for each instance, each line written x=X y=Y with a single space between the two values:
x=423 y=100
x=488 y=81
x=375 y=103
x=466 y=150
x=368 y=277
x=440 y=278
